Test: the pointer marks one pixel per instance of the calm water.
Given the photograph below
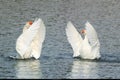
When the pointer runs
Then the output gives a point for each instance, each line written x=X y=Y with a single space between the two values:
x=56 y=61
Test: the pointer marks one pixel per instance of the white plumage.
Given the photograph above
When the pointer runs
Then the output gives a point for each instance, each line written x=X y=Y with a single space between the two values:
x=29 y=43
x=87 y=48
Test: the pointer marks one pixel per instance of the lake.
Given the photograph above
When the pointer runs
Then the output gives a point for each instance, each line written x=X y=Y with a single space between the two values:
x=56 y=61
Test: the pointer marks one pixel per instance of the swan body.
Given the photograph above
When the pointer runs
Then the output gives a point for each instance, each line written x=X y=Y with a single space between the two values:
x=87 y=48
x=29 y=43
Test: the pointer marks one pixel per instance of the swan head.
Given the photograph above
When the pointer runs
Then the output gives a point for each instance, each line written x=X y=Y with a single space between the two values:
x=83 y=32
x=28 y=24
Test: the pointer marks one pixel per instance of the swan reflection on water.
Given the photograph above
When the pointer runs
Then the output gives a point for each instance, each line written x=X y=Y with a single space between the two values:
x=84 y=69
x=28 y=69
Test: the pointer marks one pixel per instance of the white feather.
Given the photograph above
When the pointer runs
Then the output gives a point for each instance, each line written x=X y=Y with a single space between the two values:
x=91 y=33
x=93 y=39
x=74 y=38
x=38 y=40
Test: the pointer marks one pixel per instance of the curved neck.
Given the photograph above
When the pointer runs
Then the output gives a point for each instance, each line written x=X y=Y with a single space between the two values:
x=85 y=38
x=24 y=29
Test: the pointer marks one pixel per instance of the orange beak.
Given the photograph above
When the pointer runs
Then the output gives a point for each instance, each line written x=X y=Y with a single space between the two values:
x=83 y=31
x=30 y=22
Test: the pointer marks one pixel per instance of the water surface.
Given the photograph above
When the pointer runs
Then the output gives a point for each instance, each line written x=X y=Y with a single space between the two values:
x=56 y=61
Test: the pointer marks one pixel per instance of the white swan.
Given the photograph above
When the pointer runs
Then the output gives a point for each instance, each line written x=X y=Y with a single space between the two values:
x=29 y=43
x=87 y=48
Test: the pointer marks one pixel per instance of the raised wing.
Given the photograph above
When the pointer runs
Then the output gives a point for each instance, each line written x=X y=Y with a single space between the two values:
x=74 y=38
x=24 y=40
x=38 y=40
x=92 y=35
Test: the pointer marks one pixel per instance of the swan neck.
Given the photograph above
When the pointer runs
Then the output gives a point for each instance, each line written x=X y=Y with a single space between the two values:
x=86 y=38
x=24 y=29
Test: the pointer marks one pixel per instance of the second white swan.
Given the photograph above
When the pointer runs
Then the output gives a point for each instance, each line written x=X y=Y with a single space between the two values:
x=87 y=48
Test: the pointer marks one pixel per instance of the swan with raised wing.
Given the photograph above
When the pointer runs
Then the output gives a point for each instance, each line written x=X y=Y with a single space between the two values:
x=87 y=47
x=29 y=43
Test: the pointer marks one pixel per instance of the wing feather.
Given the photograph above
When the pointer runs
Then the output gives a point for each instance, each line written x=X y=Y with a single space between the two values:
x=92 y=35
x=38 y=41
x=74 y=38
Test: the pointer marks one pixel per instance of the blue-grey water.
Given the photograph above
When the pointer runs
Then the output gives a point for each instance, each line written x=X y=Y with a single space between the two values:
x=56 y=61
